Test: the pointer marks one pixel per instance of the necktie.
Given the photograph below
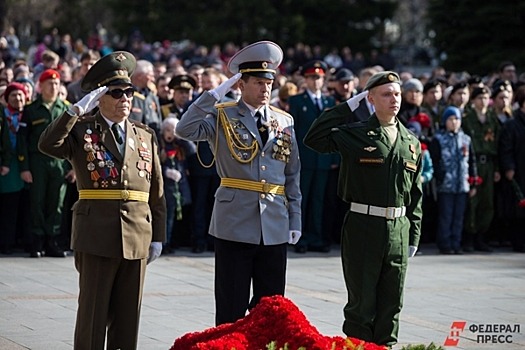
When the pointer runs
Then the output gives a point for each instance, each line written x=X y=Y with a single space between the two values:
x=263 y=130
x=116 y=133
x=318 y=104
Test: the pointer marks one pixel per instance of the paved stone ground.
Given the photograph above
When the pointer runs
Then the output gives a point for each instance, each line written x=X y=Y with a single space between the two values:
x=38 y=298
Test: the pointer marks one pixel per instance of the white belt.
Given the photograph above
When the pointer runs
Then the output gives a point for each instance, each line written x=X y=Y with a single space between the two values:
x=390 y=213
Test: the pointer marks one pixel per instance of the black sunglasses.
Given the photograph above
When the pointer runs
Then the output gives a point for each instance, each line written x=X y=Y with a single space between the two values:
x=117 y=93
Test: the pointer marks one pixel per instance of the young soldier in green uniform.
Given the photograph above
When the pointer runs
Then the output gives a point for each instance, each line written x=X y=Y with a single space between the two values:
x=379 y=177
x=49 y=187
x=482 y=126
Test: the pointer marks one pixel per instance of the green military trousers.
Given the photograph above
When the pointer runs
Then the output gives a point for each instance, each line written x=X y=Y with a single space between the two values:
x=47 y=194
x=480 y=210
x=374 y=254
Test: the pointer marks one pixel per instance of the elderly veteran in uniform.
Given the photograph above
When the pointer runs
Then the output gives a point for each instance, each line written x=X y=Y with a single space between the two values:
x=119 y=221
x=379 y=177
x=257 y=209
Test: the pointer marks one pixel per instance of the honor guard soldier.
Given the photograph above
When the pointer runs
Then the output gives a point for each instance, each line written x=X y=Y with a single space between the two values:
x=380 y=178
x=257 y=209
x=182 y=86
x=119 y=221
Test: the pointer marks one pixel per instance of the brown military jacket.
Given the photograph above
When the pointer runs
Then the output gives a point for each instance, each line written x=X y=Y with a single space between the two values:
x=111 y=227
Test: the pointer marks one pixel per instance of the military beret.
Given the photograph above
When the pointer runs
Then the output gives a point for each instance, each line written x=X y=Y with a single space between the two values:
x=15 y=86
x=499 y=86
x=113 y=69
x=344 y=74
x=48 y=74
x=260 y=59
x=315 y=67
x=475 y=79
x=382 y=78
x=479 y=91
x=182 y=81
x=412 y=84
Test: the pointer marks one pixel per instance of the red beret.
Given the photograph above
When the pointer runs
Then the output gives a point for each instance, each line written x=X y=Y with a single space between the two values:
x=49 y=74
x=14 y=86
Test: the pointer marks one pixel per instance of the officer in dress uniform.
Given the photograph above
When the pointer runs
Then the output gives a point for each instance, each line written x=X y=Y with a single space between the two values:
x=305 y=108
x=119 y=221
x=379 y=177
x=182 y=86
x=257 y=209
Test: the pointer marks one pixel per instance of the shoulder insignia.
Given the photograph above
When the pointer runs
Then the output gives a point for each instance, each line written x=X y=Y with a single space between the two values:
x=139 y=95
x=273 y=108
x=142 y=126
x=360 y=124
x=86 y=119
x=226 y=104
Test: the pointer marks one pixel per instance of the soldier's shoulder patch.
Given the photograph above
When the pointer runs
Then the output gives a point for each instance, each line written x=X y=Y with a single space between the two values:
x=86 y=119
x=139 y=95
x=226 y=104
x=283 y=112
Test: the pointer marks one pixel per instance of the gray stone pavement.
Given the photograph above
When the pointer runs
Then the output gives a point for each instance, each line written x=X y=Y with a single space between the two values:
x=38 y=298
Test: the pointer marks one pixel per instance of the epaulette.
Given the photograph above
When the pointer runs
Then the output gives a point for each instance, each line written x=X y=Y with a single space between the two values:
x=86 y=119
x=273 y=108
x=142 y=126
x=359 y=124
x=139 y=95
x=226 y=104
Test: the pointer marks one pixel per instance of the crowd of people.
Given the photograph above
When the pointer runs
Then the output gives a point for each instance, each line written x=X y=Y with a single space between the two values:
x=469 y=127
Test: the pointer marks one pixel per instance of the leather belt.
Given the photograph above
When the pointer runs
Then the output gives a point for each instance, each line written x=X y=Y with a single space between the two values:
x=249 y=185
x=390 y=213
x=127 y=195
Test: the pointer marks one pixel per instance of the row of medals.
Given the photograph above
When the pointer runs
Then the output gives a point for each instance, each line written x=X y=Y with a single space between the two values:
x=281 y=147
x=107 y=173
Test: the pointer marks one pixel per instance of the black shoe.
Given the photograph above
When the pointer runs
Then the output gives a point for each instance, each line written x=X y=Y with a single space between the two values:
x=319 y=249
x=468 y=249
x=35 y=254
x=198 y=249
x=166 y=250
x=483 y=247
x=446 y=251
x=301 y=249
x=458 y=252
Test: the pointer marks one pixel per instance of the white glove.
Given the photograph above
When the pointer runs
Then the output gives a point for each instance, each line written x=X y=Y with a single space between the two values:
x=353 y=102
x=173 y=174
x=155 y=248
x=220 y=91
x=412 y=251
x=90 y=101
x=294 y=236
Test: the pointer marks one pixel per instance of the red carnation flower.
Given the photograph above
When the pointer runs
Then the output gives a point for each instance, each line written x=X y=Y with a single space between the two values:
x=171 y=153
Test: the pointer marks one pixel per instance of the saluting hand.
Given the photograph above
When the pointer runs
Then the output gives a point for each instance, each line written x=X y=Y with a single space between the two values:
x=353 y=102
x=220 y=91
x=90 y=101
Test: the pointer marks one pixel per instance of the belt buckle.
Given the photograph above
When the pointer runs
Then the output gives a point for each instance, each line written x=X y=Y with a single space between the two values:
x=390 y=213
x=124 y=194
x=266 y=187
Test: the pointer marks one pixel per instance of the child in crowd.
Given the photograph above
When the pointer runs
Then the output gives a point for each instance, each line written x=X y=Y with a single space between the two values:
x=454 y=164
x=174 y=153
